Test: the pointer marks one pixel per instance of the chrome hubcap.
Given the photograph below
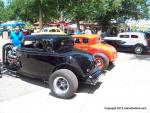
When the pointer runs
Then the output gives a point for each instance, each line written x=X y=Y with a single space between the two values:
x=61 y=85
x=99 y=63
x=138 y=50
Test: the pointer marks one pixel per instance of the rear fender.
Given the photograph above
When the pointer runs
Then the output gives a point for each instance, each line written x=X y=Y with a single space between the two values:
x=139 y=44
x=75 y=70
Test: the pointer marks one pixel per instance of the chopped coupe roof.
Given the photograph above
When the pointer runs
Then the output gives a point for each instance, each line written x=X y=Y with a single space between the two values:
x=44 y=36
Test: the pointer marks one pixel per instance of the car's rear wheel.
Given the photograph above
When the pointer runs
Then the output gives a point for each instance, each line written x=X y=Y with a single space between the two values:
x=63 y=83
x=102 y=61
x=138 y=49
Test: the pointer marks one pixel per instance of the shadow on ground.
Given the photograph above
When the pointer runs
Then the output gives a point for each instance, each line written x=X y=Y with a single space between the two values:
x=145 y=56
x=141 y=57
x=86 y=88
x=83 y=88
x=34 y=81
x=110 y=67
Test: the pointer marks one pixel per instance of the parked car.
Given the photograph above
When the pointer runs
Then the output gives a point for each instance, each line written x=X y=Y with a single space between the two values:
x=52 y=58
x=104 y=54
x=138 y=42
x=50 y=30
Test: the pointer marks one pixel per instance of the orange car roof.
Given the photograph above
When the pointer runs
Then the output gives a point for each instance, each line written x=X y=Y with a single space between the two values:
x=85 y=35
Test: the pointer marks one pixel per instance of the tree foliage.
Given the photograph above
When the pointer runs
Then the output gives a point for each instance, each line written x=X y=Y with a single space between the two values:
x=2 y=10
x=101 y=11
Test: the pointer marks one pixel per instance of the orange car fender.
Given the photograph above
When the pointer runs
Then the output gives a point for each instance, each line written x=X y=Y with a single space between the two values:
x=95 y=51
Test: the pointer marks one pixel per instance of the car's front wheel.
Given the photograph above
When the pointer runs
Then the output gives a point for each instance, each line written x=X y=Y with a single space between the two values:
x=63 y=83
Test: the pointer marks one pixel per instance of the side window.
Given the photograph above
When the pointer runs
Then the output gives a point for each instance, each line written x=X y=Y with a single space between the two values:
x=77 y=40
x=124 y=36
x=47 y=45
x=85 y=40
x=134 y=36
x=58 y=30
x=38 y=44
x=52 y=30
x=68 y=42
x=63 y=44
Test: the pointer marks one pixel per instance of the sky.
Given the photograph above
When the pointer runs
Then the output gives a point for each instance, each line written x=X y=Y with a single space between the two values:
x=5 y=1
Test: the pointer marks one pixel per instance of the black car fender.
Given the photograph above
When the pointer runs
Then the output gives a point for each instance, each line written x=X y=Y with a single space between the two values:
x=76 y=70
x=138 y=44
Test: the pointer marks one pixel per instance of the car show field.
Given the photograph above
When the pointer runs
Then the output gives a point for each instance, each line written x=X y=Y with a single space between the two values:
x=75 y=56
x=124 y=87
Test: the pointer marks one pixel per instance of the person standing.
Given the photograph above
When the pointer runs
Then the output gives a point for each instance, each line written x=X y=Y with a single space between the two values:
x=16 y=37
x=77 y=31
x=99 y=32
x=88 y=31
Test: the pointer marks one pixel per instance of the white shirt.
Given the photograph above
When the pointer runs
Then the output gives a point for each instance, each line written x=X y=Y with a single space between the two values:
x=87 y=31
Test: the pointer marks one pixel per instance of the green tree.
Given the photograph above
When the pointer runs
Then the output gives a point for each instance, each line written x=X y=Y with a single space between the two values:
x=2 y=11
x=31 y=10
x=43 y=9
x=103 y=11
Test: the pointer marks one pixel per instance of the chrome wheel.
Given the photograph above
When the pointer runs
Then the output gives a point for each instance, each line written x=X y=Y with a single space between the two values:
x=102 y=61
x=99 y=62
x=61 y=85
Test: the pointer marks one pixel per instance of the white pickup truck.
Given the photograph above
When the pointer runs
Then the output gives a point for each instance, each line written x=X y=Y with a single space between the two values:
x=138 y=42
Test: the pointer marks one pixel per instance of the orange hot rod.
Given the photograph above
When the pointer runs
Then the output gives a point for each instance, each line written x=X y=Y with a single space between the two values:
x=104 y=54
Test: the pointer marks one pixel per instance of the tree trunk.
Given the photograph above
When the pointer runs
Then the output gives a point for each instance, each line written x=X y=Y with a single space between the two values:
x=40 y=18
x=78 y=24
x=61 y=19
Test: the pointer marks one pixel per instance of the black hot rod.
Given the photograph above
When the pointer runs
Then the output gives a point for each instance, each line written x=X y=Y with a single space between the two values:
x=54 y=59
